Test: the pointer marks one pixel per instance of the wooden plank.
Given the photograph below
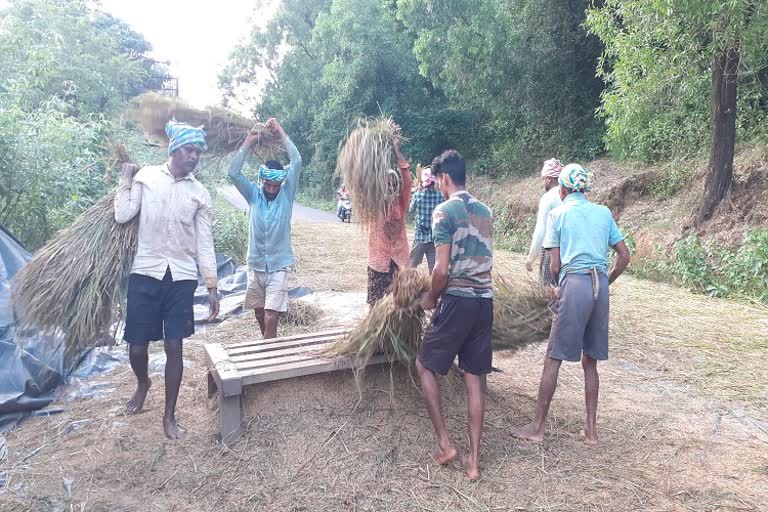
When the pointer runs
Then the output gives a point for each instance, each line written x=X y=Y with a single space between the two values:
x=302 y=368
x=255 y=349
x=231 y=416
x=222 y=369
x=301 y=349
x=296 y=337
x=212 y=387
x=248 y=366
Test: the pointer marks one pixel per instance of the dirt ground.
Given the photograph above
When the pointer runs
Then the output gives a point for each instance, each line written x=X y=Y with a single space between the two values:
x=683 y=420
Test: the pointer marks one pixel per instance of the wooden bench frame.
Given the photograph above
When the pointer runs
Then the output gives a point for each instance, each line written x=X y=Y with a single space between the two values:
x=232 y=367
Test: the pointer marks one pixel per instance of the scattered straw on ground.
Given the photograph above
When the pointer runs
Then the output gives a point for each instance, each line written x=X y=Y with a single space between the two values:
x=669 y=440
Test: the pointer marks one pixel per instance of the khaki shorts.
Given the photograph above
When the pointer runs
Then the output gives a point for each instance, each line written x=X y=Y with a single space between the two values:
x=268 y=290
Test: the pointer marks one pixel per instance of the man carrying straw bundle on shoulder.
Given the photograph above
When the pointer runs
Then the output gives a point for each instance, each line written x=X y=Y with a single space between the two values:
x=423 y=203
x=462 y=324
x=550 y=172
x=270 y=255
x=174 y=231
x=387 y=238
x=580 y=234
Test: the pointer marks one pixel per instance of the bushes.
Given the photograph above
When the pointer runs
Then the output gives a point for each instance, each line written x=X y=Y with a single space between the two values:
x=705 y=267
x=708 y=267
x=230 y=230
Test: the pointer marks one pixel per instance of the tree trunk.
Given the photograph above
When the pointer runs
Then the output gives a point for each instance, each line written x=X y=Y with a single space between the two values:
x=723 y=106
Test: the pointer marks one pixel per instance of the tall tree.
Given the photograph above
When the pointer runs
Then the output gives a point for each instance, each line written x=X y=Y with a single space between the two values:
x=529 y=65
x=65 y=70
x=663 y=58
x=321 y=66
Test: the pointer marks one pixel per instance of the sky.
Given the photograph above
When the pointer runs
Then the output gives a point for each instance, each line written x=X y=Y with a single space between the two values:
x=196 y=37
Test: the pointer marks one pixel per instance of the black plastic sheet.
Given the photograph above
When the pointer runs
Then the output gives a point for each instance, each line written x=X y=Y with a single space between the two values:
x=32 y=366
x=30 y=370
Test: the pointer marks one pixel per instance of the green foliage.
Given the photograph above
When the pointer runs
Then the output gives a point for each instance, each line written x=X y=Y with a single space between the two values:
x=314 y=198
x=510 y=232
x=64 y=49
x=671 y=182
x=506 y=85
x=528 y=66
x=707 y=267
x=64 y=71
x=657 y=66
x=230 y=230
x=50 y=169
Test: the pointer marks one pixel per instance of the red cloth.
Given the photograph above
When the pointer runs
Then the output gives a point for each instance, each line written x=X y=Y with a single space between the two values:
x=388 y=239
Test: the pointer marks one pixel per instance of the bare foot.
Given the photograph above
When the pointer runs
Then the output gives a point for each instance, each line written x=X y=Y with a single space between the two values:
x=443 y=456
x=136 y=403
x=472 y=467
x=589 y=439
x=172 y=430
x=529 y=433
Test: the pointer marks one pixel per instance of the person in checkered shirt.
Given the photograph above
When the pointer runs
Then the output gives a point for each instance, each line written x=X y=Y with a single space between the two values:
x=423 y=203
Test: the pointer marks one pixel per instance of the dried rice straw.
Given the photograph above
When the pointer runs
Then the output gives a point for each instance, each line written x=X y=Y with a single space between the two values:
x=367 y=164
x=73 y=283
x=302 y=313
x=521 y=313
x=224 y=129
x=393 y=327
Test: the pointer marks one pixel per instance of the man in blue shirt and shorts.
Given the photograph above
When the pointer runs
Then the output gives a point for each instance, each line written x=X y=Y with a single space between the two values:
x=579 y=236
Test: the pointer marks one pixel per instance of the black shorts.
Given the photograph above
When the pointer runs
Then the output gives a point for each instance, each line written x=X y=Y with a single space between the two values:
x=159 y=309
x=460 y=325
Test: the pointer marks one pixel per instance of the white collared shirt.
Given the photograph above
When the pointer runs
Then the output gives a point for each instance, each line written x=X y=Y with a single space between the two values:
x=174 y=224
x=548 y=202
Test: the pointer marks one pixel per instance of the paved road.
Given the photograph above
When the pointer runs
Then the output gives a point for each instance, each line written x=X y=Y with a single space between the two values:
x=300 y=212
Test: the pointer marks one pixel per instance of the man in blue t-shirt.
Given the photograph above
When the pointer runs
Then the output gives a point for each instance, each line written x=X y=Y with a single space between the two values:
x=579 y=236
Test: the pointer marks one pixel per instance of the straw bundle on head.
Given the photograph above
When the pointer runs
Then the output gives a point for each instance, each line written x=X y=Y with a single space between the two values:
x=394 y=325
x=521 y=313
x=367 y=164
x=224 y=129
x=73 y=283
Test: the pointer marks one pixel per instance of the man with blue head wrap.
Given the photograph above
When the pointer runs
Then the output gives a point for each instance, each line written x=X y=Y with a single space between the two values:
x=580 y=234
x=270 y=255
x=174 y=240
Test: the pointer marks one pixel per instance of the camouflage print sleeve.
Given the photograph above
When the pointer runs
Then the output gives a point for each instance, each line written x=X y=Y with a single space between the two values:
x=442 y=226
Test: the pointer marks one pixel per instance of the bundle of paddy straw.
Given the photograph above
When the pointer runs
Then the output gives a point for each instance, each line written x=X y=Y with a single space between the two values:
x=367 y=163
x=395 y=325
x=521 y=313
x=73 y=283
x=224 y=129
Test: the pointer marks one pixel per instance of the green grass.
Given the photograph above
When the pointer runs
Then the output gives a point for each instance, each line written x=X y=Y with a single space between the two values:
x=314 y=200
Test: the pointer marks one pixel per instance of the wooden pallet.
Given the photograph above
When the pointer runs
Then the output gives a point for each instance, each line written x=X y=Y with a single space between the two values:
x=232 y=367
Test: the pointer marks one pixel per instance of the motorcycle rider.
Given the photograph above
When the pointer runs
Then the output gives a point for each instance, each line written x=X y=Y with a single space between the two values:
x=342 y=195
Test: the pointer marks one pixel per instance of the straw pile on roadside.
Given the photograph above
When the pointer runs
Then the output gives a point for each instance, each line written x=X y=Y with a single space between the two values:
x=74 y=282
x=393 y=327
x=367 y=164
x=224 y=129
x=521 y=313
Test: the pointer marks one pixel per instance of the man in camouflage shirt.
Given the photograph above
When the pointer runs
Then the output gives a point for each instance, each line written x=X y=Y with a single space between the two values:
x=462 y=228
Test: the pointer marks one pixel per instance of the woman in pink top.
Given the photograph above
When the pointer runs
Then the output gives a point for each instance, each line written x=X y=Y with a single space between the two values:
x=388 y=248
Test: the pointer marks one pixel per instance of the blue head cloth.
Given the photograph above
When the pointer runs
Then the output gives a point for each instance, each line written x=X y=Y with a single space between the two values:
x=181 y=134
x=265 y=173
